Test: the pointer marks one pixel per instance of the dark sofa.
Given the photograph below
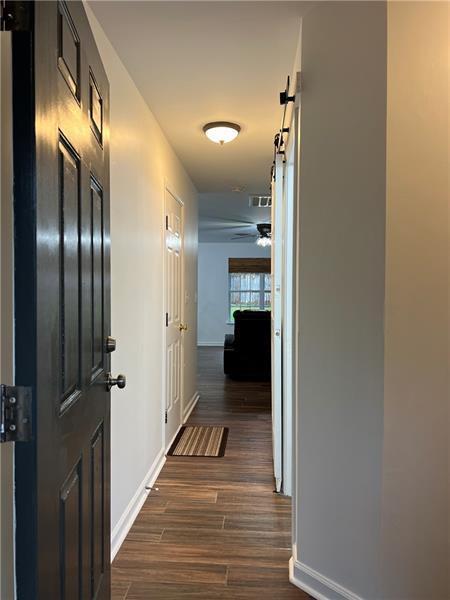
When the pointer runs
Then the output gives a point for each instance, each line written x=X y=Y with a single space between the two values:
x=247 y=353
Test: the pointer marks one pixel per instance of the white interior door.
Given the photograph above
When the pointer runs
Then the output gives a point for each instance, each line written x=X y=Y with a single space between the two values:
x=290 y=291
x=277 y=321
x=289 y=215
x=284 y=239
x=174 y=326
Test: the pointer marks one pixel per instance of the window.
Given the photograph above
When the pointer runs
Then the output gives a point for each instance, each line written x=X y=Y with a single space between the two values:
x=249 y=285
x=249 y=291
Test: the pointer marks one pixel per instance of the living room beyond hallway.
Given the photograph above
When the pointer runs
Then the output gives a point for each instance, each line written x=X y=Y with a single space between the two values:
x=215 y=529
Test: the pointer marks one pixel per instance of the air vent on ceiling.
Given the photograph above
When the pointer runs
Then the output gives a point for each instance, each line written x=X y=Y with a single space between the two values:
x=260 y=201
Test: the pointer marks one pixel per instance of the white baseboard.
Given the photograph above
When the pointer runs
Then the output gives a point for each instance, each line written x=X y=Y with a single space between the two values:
x=129 y=515
x=190 y=406
x=316 y=585
x=173 y=439
x=216 y=344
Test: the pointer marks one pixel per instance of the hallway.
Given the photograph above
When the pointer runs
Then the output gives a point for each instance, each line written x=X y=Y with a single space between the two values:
x=215 y=529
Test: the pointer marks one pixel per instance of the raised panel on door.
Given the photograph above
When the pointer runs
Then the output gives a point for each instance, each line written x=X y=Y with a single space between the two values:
x=176 y=281
x=96 y=279
x=95 y=109
x=97 y=511
x=169 y=378
x=173 y=374
x=70 y=531
x=68 y=49
x=177 y=371
x=69 y=242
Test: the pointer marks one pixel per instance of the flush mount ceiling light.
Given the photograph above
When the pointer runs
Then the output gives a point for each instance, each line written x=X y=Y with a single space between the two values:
x=221 y=132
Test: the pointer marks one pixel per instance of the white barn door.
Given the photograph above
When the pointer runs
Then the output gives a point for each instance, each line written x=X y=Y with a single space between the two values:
x=289 y=267
x=289 y=328
x=284 y=318
x=277 y=321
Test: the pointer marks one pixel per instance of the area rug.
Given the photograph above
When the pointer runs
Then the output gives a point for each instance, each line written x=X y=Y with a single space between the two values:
x=200 y=441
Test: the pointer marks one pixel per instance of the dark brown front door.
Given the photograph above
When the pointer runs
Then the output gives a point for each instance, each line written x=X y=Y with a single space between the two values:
x=62 y=288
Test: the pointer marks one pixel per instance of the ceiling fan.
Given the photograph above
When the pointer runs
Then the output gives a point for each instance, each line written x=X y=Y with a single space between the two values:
x=262 y=235
x=260 y=232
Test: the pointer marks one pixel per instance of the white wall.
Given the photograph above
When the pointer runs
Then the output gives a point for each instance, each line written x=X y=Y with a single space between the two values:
x=6 y=314
x=142 y=162
x=415 y=510
x=372 y=504
x=213 y=287
x=341 y=281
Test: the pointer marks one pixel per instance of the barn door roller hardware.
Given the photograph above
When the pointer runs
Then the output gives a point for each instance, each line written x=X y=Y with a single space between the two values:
x=284 y=95
x=279 y=140
x=284 y=101
x=15 y=414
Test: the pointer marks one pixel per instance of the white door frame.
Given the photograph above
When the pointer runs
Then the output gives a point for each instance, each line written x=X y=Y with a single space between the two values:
x=168 y=189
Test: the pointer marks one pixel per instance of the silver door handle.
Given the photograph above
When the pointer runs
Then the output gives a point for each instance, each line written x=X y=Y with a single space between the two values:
x=120 y=381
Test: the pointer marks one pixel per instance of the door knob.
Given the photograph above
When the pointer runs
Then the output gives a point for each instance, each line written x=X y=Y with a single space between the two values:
x=182 y=327
x=120 y=381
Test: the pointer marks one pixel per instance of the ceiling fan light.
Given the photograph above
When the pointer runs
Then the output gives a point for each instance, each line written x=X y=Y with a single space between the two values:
x=263 y=241
x=221 y=132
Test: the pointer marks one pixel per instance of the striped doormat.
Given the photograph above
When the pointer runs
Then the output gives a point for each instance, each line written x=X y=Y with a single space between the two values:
x=200 y=441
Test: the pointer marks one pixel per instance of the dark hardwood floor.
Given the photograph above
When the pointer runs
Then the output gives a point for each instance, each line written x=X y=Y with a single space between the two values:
x=215 y=529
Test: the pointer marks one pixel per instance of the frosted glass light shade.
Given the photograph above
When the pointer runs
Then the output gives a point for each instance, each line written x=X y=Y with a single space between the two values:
x=221 y=132
x=263 y=241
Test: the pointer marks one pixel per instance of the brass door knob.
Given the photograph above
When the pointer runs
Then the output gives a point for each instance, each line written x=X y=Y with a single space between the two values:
x=182 y=327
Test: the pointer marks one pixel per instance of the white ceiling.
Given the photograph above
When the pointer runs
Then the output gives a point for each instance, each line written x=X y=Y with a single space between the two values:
x=196 y=62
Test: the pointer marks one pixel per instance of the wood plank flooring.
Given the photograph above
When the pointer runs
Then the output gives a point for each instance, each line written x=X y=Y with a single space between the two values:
x=215 y=530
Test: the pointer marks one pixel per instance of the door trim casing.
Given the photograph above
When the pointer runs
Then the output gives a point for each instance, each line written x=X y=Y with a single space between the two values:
x=7 y=312
x=24 y=157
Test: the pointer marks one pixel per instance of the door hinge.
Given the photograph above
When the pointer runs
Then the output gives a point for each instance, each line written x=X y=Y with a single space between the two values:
x=167 y=319
x=167 y=222
x=166 y=417
x=15 y=414
x=15 y=15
